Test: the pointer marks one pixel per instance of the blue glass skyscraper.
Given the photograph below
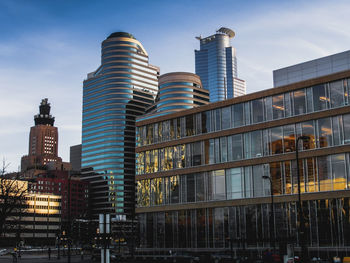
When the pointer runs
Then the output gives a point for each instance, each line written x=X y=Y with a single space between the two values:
x=119 y=90
x=216 y=65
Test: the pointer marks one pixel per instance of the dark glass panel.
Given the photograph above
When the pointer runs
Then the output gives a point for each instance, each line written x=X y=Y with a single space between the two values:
x=299 y=102
x=226 y=118
x=320 y=98
x=277 y=107
x=324 y=173
x=289 y=138
x=276 y=176
x=308 y=130
x=201 y=228
x=276 y=140
x=257 y=110
x=346 y=126
x=325 y=132
x=189 y=125
x=238 y=115
x=190 y=182
x=336 y=89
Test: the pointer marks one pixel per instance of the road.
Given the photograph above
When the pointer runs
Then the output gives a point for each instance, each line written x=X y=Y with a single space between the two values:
x=41 y=259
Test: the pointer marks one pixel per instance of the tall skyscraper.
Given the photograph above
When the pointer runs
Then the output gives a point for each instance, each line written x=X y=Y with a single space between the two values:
x=216 y=65
x=43 y=140
x=122 y=87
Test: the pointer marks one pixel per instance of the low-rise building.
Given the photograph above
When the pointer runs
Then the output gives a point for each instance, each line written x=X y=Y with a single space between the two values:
x=202 y=173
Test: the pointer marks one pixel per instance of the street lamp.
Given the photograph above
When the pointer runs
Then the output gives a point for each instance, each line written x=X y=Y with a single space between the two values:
x=272 y=216
x=304 y=251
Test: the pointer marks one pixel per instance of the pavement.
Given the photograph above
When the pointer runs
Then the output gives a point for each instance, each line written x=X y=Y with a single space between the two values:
x=29 y=258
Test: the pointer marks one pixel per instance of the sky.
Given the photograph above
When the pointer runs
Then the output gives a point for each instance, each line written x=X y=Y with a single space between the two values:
x=48 y=47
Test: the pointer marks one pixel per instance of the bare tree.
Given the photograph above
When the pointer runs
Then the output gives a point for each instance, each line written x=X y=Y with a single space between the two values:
x=12 y=197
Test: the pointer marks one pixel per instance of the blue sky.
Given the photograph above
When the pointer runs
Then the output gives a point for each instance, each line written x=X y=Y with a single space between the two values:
x=48 y=47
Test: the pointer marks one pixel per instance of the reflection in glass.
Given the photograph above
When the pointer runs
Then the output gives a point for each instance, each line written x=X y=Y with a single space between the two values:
x=277 y=107
x=346 y=124
x=234 y=183
x=299 y=102
x=324 y=132
x=320 y=98
x=226 y=118
x=238 y=115
x=217 y=185
x=257 y=110
x=289 y=138
x=324 y=173
x=336 y=89
x=276 y=140
x=338 y=171
x=308 y=130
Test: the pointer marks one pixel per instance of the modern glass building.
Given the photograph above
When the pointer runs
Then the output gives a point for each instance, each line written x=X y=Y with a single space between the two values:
x=202 y=178
x=216 y=64
x=119 y=90
x=177 y=91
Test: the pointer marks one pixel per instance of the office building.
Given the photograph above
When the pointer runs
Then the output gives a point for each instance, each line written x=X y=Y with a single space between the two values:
x=203 y=187
x=74 y=191
x=35 y=221
x=75 y=157
x=121 y=89
x=43 y=142
x=177 y=91
x=216 y=65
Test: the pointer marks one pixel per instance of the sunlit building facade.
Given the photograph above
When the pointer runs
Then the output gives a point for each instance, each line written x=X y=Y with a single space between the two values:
x=200 y=184
x=119 y=90
x=35 y=220
x=216 y=65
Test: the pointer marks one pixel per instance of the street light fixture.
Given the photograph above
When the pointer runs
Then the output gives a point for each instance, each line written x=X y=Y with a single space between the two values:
x=304 y=251
x=272 y=216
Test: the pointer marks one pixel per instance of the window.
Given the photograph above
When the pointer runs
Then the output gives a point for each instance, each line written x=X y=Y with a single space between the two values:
x=324 y=132
x=276 y=140
x=346 y=127
x=320 y=98
x=257 y=110
x=217 y=185
x=234 y=183
x=336 y=89
x=289 y=138
x=277 y=107
x=226 y=118
x=237 y=115
x=299 y=102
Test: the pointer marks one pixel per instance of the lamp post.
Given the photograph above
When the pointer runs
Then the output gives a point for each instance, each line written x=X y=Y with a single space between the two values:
x=272 y=216
x=304 y=251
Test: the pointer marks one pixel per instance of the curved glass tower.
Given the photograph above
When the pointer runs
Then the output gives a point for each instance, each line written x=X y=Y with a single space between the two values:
x=119 y=90
x=179 y=91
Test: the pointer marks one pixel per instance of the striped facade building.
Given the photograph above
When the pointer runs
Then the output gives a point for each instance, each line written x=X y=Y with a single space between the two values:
x=122 y=87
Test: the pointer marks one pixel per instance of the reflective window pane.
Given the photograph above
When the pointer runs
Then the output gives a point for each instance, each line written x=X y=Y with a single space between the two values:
x=257 y=110
x=336 y=89
x=277 y=107
x=299 y=102
x=226 y=118
x=320 y=98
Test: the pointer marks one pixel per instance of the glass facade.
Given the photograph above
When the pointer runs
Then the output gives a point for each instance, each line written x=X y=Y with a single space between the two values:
x=216 y=64
x=178 y=91
x=328 y=225
x=323 y=173
x=325 y=132
x=269 y=108
x=201 y=173
x=118 y=91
